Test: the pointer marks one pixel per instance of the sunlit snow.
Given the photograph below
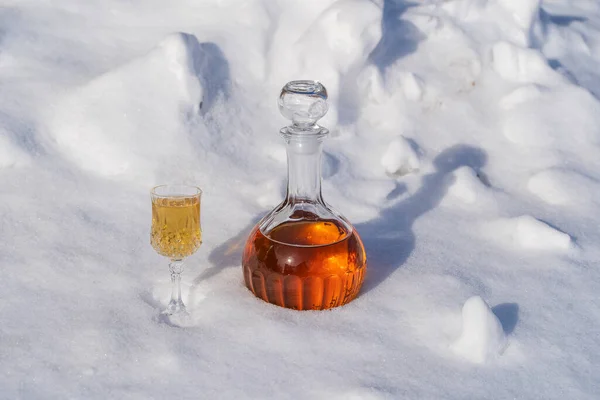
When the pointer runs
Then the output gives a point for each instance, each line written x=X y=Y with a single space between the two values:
x=464 y=148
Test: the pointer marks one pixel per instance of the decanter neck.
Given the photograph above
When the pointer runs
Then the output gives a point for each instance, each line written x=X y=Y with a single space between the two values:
x=304 y=103
x=304 y=165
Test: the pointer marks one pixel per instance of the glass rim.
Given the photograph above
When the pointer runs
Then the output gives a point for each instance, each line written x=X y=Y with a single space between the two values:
x=176 y=195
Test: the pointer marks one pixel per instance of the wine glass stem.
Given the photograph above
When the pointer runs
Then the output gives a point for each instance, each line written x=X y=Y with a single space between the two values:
x=176 y=304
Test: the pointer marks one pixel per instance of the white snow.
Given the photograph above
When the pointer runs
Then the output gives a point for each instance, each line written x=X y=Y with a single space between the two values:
x=482 y=336
x=412 y=86
x=11 y=155
x=562 y=186
x=467 y=186
x=529 y=233
x=103 y=126
x=524 y=11
x=464 y=147
x=521 y=95
x=400 y=158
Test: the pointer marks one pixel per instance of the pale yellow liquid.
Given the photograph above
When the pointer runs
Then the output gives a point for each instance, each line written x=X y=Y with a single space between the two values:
x=176 y=229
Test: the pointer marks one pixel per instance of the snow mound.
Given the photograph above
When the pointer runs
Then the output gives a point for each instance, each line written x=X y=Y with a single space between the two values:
x=482 y=337
x=560 y=187
x=530 y=233
x=372 y=89
x=400 y=158
x=371 y=86
x=545 y=120
x=380 y=96
x=347 y=32
x=412 y=86
x=111 y=124
x=459 y=58
x=517 y=21
x=467 y=186
x=522 y=65
x=521 y=95
x=526 y=14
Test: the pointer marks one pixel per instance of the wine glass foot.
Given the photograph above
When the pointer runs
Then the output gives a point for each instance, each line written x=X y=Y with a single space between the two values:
x=175 y=307
x=175 y=315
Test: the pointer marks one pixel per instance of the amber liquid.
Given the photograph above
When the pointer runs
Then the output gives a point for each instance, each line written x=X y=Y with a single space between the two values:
x=176 y=226
x=306 y=265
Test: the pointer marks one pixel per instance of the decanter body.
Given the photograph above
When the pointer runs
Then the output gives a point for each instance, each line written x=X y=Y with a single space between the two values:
x=303 y=255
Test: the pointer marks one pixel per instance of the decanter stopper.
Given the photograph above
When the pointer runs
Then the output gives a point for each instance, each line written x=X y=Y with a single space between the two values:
x=303 y=102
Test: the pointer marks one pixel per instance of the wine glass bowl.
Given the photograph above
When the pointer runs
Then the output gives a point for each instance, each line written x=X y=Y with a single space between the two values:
x=176 y=229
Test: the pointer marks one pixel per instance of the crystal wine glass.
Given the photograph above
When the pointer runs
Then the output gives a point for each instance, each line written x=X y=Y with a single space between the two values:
x=176 y=233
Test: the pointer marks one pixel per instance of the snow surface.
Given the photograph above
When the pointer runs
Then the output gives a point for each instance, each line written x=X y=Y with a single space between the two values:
x=464 y=147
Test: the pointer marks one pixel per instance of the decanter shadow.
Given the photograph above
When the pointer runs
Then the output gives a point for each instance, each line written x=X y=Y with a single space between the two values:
x=389 y=239
x=227 y=254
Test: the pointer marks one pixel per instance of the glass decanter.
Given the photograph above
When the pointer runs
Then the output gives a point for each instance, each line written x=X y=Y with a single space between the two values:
x=303 y=255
